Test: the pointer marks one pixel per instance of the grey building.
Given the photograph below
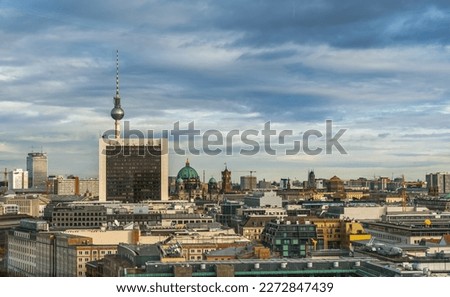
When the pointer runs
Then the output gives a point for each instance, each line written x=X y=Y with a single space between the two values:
x=438 y=183
x=263 y=199
x=37 y=167
x=78 y=216
x=248 y=183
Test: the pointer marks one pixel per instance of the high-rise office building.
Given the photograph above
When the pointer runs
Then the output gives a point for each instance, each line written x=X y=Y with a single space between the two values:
x=132 y=169
x=17 y=179
x=37 y=167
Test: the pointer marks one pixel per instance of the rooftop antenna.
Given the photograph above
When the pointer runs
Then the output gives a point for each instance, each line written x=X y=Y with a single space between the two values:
x=117 y=112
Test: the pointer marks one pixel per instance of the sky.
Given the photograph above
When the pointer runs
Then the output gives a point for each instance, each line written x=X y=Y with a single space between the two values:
x=379 y=70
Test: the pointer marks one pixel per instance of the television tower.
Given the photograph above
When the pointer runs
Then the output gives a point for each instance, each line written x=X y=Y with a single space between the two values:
x=117 y=113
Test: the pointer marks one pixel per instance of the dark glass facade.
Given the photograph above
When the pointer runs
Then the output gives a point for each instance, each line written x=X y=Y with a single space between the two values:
x=133 y=172
x=289 y=240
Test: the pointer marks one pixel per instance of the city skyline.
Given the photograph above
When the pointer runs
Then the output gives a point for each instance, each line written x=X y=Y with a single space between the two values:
x=378 y=70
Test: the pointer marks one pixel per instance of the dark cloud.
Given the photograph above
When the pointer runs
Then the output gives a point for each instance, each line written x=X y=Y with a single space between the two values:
x=341 y=24
x=370 y=66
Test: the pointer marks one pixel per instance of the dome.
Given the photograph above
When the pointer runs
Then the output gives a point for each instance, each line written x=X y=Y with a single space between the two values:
x=179 y=180
x=117 y=113
x=335 y=179
x=187 y=173
x=212 y=180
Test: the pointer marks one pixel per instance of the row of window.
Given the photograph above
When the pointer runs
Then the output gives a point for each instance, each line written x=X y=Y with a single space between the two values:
x=95 y=224
x=77 y=214
x=78 y=219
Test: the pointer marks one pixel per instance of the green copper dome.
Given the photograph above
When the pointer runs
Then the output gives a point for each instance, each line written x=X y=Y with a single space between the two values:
x=187 y=172
x=212 y=180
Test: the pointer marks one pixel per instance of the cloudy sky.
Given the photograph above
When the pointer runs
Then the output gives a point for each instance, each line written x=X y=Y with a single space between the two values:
x=379 y=69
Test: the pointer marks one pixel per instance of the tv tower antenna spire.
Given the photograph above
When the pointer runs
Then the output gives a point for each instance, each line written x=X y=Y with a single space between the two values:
x=117 y=113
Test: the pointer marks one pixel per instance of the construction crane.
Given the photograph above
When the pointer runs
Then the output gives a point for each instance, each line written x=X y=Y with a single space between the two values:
x=5 y=178
x=403 y=194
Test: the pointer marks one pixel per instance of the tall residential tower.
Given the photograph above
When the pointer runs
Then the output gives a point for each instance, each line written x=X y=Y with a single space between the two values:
x=131 y=169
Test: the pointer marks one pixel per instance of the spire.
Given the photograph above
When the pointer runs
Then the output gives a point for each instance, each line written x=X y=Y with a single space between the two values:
x=187 y=162
x=117 y=112
x=117 y=74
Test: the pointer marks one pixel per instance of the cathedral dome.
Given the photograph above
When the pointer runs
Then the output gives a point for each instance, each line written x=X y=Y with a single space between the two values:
x=187 y=172
x=212 y=180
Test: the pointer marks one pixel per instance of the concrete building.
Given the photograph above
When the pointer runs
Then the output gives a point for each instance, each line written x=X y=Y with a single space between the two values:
x=17 y=179
x=6 y=209
x=25 y=204
x=263 y=199
x=367 y=211
x=73 y=185
x=34 y=251
x=66 y=255
x=133 y=168
x=252 y=226
x=438 y=183
x=37 y=167
x=72 y=216
x=407 y=232
x=151 y=214
x=264 y=185
x=194 y=246
x=248 y=183
x=22 y=247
